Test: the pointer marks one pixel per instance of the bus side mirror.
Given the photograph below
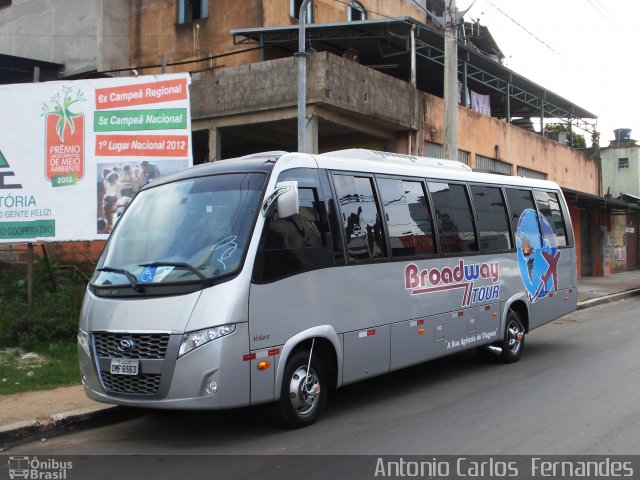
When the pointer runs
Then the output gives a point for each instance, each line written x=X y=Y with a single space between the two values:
x=284 y=198
x=288 y=203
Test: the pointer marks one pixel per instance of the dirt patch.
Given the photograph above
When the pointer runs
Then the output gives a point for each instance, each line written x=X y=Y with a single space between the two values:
x=40 y=405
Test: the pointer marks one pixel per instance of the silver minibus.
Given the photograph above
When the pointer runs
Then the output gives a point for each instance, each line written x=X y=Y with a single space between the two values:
x=277 y=277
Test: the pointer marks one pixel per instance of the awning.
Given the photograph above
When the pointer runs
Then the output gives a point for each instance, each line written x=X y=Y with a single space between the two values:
x=609 y=205
x=627 y=197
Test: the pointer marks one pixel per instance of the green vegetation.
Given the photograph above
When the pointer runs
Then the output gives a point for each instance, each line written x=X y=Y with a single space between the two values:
x=578 y=140
x=38 y=345
x=46 y=366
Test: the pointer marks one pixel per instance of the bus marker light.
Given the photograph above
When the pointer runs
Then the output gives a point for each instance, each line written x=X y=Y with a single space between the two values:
x=487 y=307
x=274 y=351
x=420 y=331
x=420 y=322
x=461 y=314
x=264 y=365
x=371 y=331
x=566 y=298
x=494 y=314
x=249 y=356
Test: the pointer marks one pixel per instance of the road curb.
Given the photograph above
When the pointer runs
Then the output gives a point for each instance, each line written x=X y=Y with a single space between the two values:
x=63 y=422
x=614 y=297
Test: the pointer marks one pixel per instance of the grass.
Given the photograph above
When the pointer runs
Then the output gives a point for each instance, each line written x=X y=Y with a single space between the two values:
x=45 y=333
x=43 y=367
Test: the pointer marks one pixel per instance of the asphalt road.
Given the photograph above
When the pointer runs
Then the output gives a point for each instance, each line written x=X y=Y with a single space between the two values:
x=575 y=391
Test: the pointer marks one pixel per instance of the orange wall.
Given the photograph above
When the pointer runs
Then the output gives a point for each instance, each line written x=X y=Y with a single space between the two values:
x=568 y=167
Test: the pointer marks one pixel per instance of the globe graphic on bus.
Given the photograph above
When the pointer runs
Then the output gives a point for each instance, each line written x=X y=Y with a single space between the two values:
x=537 y=254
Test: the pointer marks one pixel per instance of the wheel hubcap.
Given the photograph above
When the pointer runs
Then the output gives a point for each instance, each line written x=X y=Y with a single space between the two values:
x=515 y=334
x=304 y=390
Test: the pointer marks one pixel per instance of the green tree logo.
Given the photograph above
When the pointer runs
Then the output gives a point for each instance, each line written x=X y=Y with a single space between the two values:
x=59 y=105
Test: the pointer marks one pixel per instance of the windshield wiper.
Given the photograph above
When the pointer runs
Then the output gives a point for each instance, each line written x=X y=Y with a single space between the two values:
x=186 y=266
x=130 y=276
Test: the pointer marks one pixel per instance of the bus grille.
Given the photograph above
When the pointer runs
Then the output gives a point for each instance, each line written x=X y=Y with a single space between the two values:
x=140 y=384
x=144 y=345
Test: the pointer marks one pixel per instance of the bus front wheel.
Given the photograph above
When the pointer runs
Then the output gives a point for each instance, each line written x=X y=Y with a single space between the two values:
x=304 y=393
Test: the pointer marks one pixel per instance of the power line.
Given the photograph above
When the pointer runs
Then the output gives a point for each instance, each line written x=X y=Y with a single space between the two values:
x=525 y=29
x=599 y=9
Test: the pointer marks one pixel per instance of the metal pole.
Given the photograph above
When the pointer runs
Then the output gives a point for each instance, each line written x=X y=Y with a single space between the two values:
x=413 y=55
x=30 y=275
x=450 y=146
x=302 y=76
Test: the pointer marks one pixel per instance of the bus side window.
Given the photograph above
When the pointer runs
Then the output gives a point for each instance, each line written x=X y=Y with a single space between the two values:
x=361 y=218
x=519 y=201
x=549 y=206
x=491 y=211
x=453 y=217
x=408 y=217
x=293 y=245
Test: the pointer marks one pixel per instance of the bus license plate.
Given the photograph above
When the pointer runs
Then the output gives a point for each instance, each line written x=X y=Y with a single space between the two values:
x=124 y=367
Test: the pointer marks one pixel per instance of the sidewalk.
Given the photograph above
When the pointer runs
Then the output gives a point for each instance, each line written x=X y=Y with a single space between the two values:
x=49 y=412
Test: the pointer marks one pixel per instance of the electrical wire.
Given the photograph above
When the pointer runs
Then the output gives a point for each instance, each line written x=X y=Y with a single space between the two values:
x=525 y=29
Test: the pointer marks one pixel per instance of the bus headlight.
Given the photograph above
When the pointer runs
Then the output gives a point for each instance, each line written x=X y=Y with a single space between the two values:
x=193 y=340
x=83 y=340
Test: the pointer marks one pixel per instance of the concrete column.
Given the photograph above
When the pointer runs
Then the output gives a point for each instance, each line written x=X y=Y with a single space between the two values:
x=311 y=133
x=215 y=144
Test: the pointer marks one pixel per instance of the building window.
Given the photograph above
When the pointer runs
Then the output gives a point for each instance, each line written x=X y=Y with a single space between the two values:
x=190 y=10
x=356 y=12
x=295 y=10
x=623 y=163
x=435 y=150
x=463 y=157
x=492 y=165
x=526 y=172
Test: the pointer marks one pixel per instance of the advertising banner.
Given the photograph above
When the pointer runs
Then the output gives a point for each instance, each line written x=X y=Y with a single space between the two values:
x=73 y=153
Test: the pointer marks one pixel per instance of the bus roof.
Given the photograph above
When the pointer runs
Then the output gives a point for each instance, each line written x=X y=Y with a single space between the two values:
x=355 y=160
x=361 y=160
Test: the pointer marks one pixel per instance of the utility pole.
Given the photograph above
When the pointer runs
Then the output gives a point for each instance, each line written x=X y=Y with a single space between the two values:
x=450 y=143
x=302 y=76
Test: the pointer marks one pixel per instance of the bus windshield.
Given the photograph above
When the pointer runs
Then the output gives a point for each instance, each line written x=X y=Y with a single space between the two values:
x=193 y=230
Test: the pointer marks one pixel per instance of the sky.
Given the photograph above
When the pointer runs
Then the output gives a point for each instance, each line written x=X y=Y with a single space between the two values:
x=587 y=51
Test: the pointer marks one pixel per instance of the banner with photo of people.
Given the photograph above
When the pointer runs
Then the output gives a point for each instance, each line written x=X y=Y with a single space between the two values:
x=74 y=153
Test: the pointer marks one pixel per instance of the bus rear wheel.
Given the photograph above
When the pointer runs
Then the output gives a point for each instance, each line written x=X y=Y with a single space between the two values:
x=508 y=350
x=303 y=394
x=513 y=342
